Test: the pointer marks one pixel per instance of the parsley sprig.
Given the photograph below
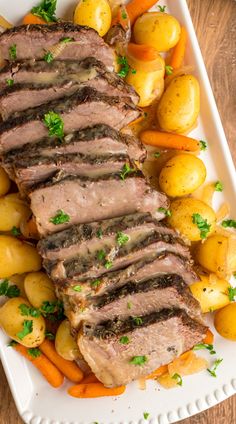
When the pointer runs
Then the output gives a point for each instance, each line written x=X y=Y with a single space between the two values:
x=12 y=52
x=124 y=340
x=162 y=8
x=126 y=170
x=218 y=186
x=60 y=218
x=138 y=360
x=124 y=67
x=202 y=225
x=54 y=123
x=48 y=57
x=203 y=145
x=167 y=212
x=178 y=379
x=26 y=310
x=232 y=293
x=34 y=352
x=229 y=223
x=213 y=369
x=46 y=10
x=16 y=232
x=9 y=290
x=27 y=329
x=169 y=70
x=207 y=346
x=121 y=238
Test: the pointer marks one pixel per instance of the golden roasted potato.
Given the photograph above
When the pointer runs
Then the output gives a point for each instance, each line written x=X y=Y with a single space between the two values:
x=13 y=211
x=211 y=292
x=39 y=288
x=148 y=85
x=65 y=344
x=225 y=321
x=95 y=14
x=5 y=182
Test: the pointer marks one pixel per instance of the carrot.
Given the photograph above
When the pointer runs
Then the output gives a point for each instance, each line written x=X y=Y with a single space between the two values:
x=69 y=368
x=158 y=372
x=169 y=141
x=178 y=53
x=209 y=339
x=142 y=52
x=32 y=19
x=94 y=390
x=42 y=363
x=91 y=378
x=135 y=9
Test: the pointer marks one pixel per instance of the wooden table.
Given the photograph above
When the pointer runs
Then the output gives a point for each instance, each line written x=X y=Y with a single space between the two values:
x=216 y=31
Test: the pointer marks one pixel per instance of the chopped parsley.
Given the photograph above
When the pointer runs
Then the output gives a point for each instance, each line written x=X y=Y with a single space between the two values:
x=126 y=170
x=101 y=255
x=49 y=307
x=95 y=284
x=129 y=305
x=99 y=233
x=12 y=52
x=203 y=145
x=167 y=212
x=121 y=238
x=60 y=218
x=108 y=264
x=10 y=82
x=207 y=346
x=124 y=15
x=54 y=123
x=229 y=223
x=162 y=8
x=232 y=293
x=26 y=310
x=7 y=290
x=34 y=352
x=15 y=231
x=46 y=10
x=124 y=340
x=49 y=335
x=48 y=57
x=27 y=329
x=77 y=288
x=146 y=415
x=137 y=320
x=178 y=379
x=138 y=360
x=202 y=225
x=218 y=186
x=52 y=307
x=157 y=155
x=67 y=40
x=169 y=70
x=133 y=71
x=213 y=369
x=124 y=69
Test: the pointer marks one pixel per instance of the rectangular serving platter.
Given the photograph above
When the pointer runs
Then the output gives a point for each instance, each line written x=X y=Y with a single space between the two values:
x=36 y=402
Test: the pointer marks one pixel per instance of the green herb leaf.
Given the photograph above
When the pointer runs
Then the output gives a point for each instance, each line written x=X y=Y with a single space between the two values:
x=213 y=369
x=10 y=82
x=28 y=311
x=229 y=223
x=101 y=255
x=124 y=15
x=203 y=145
x=202 y=225
x=12 y=343
x=27 y=329
x=124 y=70
x=126 y=170
x=133 y=71
x=129 y=305
x=60 y=218
x=169 y=70
x=9 y=290
x=167 y=212
x=99 y=233
x=124 y=340
x=209 y=347
x=15 y=231
x=138 y=320
x=54 y=123
x=48 y=57
x=49 y=335
x=146 y=415
x=46 y=10
x=34 y=352
x=162 y=8
x=218 y=186
x=67 y=40
x=178 y=378
x=157 y=155
x=95 y=284
x=49 y=307
x=121 y=238
x=232 y=293
x=12 y=52
x=77 y=288
x=138 y=360
x=108 y=264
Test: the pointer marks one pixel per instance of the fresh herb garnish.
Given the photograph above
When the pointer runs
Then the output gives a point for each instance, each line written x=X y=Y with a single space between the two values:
x=77 y=288
x=52 y=307
x=46 y=10
x=124 y=15
x=95 y=284
x=162 y=8
x=129 y=305
x=7 y=290
x=54 y=123
x=28 y=311
x=232 y=293
x=207 y=346
x=108 y=264
x=218 y=186
x=178 y=379
x=133 y=71
x=137 y=320
x=60 y=218
x=49 y=335
x=12 y=52
x=202 y=225
x=126 y=170
x=203 y=145
x=138 y=360
x=49 y=307
x=101 y=255
x=213 y=369
x=10 y=82
x=27 y=329
x=124 y=69
x=229 y=223
x=34 y=352
x=12 y=343
x=169 y=70
x=67 y=40
x=157 y=155
x=121 y=238
x=146 y=415
x=15 y=231
x=124 y=340
x=48 y=57
x=99 y=233
x=167 y=212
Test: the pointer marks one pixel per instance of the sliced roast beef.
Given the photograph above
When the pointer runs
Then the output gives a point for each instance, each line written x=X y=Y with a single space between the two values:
x=153 y=340
x=86 y=200
x=33 y=41
x=85 y=107
x=60 y=79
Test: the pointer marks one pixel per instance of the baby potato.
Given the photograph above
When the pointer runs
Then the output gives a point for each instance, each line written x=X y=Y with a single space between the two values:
x=65 y=344
x=182 y=213
x=17 y=257
x=5 y=182
x=182 y=175
x=13 y=211
x=179 y=106
x=156 y=29
x=94 y=14
x=39 y=288
x=225 y=322
x=148 y=85
x=18 y=280
x=211 y=293
x=14 y=322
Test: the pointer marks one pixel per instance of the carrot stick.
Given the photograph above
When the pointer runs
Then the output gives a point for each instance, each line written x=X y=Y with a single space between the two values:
x=94 y=390
x=178 y=53
x=42 y=363
x=169 y=141
x=158 y=372
x=135 y=9
x=91 y=378
x=68 y=368
x=142 y=52
x=209 y=339
x=32 y=19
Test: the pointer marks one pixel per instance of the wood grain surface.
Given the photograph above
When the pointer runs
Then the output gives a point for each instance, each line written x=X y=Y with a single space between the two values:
x=215 y=24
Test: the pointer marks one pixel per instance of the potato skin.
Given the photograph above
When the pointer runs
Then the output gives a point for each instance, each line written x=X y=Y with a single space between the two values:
x=181 y=219
x=95 y=14
x=211 y=295
x=13 y=211
x=182 y=175
x=156 y=29
x=65 y=344
x=39 y=288
x=212 y=254
x=5 y=182
x=11 y=320
x=179 y=106
x=17 y=257
x=225 y=322
x=148 y=85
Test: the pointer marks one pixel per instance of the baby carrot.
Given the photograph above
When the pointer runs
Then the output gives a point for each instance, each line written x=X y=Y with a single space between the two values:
x=69 y=368
x=32 y=19
x=91 y=378
x=209 y=339
x=178 y=53
x=94 y=390
x=42 y=363
x=142 y=52
x=169 y=141
x=136 y=8
x=158 y=372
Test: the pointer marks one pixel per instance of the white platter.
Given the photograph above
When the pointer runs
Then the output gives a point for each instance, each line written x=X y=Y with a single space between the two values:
x=37 y=403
